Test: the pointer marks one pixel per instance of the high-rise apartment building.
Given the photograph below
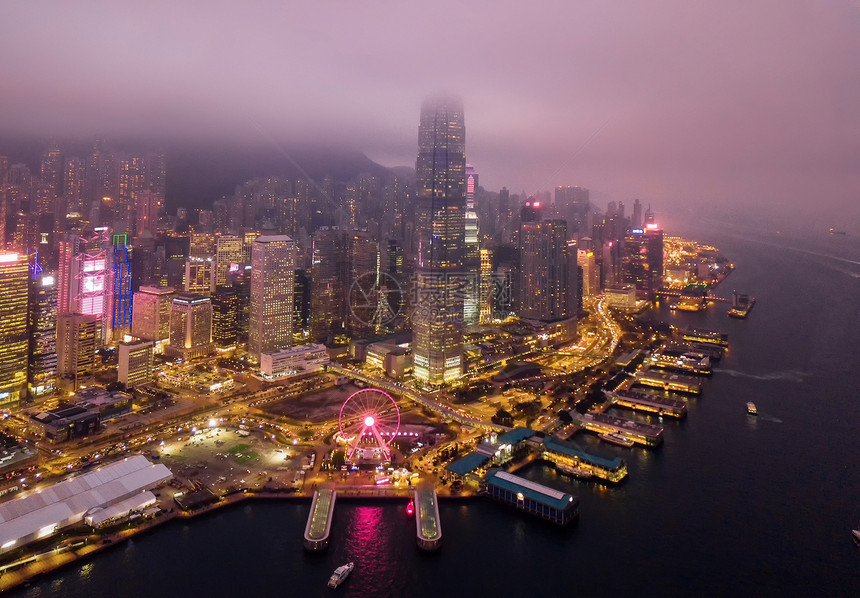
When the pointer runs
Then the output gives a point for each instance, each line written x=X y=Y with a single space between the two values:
x=437 y=319
x=14 y=292
x=544 y=270
x=190 y=327
x=273 y=264
x=42 y=322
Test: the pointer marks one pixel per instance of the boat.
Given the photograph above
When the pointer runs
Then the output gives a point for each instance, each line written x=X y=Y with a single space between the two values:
x=410 y=508
x=751 y=408
x=833 y=231
x=340 y=574
x=573 y=471
x=617 y=439
x=855 y=533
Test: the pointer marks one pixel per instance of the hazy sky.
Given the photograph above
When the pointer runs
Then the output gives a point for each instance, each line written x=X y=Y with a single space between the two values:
x=743 y=101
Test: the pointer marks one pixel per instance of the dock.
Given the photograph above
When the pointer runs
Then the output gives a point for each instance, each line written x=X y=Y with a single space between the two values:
x=682 y=363
x=531 y=497
x=706 y=336
x=640 y=433
x=668 y=381
x=428 y=526
x=568 y=458
x=643 y=401
x=319 y=520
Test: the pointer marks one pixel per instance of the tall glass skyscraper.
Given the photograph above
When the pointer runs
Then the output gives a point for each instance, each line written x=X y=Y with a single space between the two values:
x=437 y=320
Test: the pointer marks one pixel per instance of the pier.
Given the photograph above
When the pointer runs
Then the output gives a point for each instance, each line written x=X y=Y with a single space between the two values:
x=667 y=381
x=531 y=497
x=319 y=520
x=643 y=401
x=569 y=459
x=428 y=526
x=706 y=336
x=682 y=363
x=644 y=434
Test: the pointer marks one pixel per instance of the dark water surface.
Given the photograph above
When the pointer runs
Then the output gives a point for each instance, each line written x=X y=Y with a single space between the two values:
x=729 y=505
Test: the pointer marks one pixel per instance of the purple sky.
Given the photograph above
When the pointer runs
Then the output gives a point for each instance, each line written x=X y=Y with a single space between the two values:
x=740 y=101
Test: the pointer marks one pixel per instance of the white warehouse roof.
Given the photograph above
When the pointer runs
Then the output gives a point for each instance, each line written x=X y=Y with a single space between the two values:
x=140 y=501
x=42 y=513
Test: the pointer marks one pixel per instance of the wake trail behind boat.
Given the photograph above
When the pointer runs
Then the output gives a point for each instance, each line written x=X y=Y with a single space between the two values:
x=790 y=375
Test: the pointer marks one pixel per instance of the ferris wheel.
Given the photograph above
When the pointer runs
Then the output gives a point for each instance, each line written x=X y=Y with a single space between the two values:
x=369 y=420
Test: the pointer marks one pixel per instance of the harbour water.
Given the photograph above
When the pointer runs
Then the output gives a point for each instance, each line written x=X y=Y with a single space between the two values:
x=730 y=504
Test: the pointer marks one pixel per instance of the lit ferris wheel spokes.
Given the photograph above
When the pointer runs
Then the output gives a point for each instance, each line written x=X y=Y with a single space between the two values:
x=372 y=416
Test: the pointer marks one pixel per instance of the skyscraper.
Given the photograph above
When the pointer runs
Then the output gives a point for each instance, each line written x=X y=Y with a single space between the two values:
x=14 y=291
x=643 y=260
x=437 y=319
x=136 y=363
x=151 y=315
x=544 y=269
x=273 y=264
x=190 y=327
x=42 y=316
x=471 y=256
x=121 y=296
x=76 y=347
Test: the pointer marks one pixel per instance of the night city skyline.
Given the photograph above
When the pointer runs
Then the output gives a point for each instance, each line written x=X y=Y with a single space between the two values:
x=565 y=294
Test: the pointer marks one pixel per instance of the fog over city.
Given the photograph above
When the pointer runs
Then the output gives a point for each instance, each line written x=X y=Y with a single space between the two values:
x=737 y=103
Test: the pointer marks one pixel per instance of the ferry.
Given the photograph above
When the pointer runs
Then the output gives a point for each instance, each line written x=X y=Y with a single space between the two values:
x=617 y=439
x=340 y=574
x=833 y=231
x=573 y=471
x=751 y=408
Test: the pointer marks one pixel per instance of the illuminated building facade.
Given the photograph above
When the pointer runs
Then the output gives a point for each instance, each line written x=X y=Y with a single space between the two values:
x=136 y=363
x=14 y=293
x=590 y=273
x=471 y=256
x=643 y=260
x=228 y=253
x=77 y=336
x=148 y=207
x=200 y=275
x=85 y=277
x=226 y=306
x=329 y=277
x=437 y=319
x=42 y=322
x=271 y=317
x=121 y=297
x=151 y=314
x=544 y=270
x=190 y=327
x=485 y=303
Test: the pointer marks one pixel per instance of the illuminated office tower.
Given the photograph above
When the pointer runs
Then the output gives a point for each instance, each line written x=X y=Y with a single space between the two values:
x=471 y=256
x=485 y=303
x=42 y=322
x=190 y=327
x=148 y=205
x=228 y=251
x=51 y=170
x=586 y=260
x=121 y=297
x=642 y=261
x=14 y=292
x=201 y=245
x=273 y=264
x=136 y=363
x=200 y=275
x=151 y=314
x=226 y=306
x=156 y=173
x=364 y=315
x=437 y=318
x=73 y=185
x=77 y=336
x=85 y=277
x=544 y=270
x=329 y=277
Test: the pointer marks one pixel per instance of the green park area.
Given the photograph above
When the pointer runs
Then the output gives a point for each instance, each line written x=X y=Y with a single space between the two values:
x=242 y=454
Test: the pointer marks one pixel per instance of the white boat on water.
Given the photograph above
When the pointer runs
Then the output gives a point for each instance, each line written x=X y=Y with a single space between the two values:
x=751 y=408
x=616 y=439
x=340 y=574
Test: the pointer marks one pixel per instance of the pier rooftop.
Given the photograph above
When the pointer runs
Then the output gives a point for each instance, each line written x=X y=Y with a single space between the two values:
x=637 y=431
x=427 y=524
x=319 y=520
x=549 y=503
x=650 y=402
x=668 y=381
